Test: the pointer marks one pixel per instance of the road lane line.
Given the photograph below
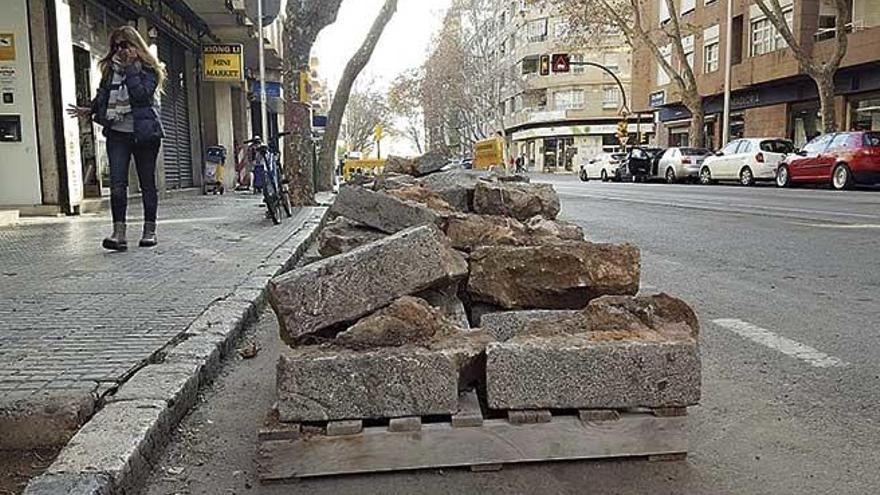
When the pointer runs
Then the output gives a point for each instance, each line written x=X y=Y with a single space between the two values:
x=779 y=343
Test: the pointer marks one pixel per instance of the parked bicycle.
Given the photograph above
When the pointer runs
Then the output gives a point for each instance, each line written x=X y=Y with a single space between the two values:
x=269 y=175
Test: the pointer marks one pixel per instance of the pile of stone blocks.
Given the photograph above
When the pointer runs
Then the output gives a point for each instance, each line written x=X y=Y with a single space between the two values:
x=432 y=283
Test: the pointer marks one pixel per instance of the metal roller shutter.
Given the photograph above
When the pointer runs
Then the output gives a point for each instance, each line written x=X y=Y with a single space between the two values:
x=175 y=118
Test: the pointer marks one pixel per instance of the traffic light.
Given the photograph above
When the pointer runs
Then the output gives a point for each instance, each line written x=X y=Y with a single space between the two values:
x=561 y=63
x=623 y=132
x=545 y=65
x=379 y=132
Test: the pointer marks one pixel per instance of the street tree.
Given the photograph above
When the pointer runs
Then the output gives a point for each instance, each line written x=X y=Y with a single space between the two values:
x=305 y=19
x=590 y=19
x=367 y=107
x=343 y=92
x=820 y=69
x=405 y=103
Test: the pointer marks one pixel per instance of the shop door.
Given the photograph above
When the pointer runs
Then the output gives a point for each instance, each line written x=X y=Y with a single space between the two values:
x=176 y=149
x=91 y=175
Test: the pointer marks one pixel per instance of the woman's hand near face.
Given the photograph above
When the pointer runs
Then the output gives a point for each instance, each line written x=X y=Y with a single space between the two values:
x=82 y=112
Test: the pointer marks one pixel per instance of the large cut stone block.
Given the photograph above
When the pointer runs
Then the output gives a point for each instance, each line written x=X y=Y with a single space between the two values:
x=585 y=371
x=423 y=196
x=515 y=199
x=342 y=235
x=381 y=211
x=468 y=232
x=344 y=288
x=561 y=275
x=321 y=383
x=505 y=325
x=455 y=186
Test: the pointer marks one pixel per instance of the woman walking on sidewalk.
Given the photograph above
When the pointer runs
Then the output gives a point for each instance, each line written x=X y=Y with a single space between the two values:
x=127 y=106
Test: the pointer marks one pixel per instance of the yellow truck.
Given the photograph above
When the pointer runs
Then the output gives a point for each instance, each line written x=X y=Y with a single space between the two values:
x=488 y=152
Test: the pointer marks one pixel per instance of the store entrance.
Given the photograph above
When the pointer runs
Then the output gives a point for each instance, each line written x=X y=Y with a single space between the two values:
x=92 y=176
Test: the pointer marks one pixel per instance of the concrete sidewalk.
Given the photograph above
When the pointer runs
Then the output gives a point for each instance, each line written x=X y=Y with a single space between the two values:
x=77 y=321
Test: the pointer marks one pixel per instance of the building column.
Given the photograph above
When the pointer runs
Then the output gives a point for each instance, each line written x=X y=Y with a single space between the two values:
x=44 y=111
x=225 y=128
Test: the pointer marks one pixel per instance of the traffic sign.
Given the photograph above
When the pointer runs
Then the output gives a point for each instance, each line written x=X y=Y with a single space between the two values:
x=561 y=63
x=545 y=65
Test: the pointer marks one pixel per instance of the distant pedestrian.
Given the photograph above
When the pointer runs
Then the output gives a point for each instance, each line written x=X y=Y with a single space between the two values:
x=127 y=106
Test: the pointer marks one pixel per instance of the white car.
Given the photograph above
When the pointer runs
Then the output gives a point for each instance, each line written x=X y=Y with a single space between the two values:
x=602 y=166
x=679 y=164
x=746 y=160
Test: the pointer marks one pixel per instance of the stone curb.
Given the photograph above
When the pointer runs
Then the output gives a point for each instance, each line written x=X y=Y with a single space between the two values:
x=111 y=453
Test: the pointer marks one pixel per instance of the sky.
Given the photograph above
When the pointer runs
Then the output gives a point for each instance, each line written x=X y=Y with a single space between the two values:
x=404 y=44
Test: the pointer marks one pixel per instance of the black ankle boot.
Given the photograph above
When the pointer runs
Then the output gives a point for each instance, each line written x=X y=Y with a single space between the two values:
x=149 y=238
x=116 y=242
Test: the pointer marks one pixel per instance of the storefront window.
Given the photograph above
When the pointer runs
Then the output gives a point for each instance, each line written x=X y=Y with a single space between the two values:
x=805 y=122
x=737 y=126
x=866 y=113
x=679 y=137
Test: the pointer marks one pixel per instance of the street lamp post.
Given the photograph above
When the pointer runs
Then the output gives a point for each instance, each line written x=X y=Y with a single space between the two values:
x=264 y=113
x=728 y=47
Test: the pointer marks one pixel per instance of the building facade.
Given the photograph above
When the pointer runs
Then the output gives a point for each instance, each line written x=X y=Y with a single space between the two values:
x=59 y=164
x=555 y=117
x=770 y=96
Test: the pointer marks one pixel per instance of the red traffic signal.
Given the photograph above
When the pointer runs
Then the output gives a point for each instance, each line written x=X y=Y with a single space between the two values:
x=545 y=65
x=561 y=62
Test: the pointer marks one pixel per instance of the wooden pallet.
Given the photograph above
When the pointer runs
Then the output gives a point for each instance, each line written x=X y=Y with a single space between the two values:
x=468 y=439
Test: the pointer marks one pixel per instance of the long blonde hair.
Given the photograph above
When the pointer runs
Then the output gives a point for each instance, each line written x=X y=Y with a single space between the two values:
x=133 y=38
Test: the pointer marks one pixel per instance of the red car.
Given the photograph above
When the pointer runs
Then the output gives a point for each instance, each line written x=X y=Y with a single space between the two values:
x=843 y=159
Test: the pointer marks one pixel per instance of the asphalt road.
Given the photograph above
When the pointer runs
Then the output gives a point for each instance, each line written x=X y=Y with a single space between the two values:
x=787 y=287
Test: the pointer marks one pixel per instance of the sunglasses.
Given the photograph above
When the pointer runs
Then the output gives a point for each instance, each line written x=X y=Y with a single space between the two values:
x=121 y=45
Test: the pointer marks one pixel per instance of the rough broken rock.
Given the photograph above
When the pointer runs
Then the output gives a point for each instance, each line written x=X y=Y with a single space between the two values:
x=389 y=180
x=468 y=232
x=582 y=371
x=327 y=383
x=504 y=325
x=668 y=316
x=400 y=165
x=518 y=200
x=343 y=288
x=381 y=211
x=540 y=227
x=562 y=275
x=455 y=186
x=450 y=305
x=342 y=235
x=429 y=163
x=408 y=320
x=423 y=196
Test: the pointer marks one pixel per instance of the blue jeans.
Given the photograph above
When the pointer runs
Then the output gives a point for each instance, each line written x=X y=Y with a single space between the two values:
x=120 y=149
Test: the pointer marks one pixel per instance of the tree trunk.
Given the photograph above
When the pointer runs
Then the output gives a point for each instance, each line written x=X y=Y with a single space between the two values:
x=298 y=146
x=354 y=67
x=697 y=131
x=825 y=84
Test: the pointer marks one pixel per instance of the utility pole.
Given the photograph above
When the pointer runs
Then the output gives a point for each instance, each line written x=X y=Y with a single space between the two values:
x=264 y=114
x=728 y=48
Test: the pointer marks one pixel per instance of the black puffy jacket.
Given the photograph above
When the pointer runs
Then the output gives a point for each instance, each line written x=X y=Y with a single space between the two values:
x=142 y=83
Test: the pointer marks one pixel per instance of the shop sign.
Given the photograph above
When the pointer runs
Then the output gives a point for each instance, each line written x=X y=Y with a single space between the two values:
x=657 y=99
x=7 y=47
x=223 y=63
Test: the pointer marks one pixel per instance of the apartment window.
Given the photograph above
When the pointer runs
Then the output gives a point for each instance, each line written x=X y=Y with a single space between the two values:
x=530 y=65
x=537 y=30
x=711 y=48
x=663 y=11
x=577 y=58
x=687 y=6
x=662 y=76
x=764 y=36
x=611 y=60
x=611 y=97
x=569 y=100
x=687 y=43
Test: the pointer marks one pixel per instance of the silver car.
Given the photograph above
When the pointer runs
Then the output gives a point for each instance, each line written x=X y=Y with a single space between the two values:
x=680 y=164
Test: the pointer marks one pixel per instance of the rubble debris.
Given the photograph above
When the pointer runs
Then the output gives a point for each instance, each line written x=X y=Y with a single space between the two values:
x=422 y=195
x=542 y=228
x=455 y=186
x=381 y=211
x=389 y=180
x=504 y=325
x=400 y=165
x=342 y=235
x=468 y=231
x=408 y=320
x=562 y=275
x=346 y=287
x=518 y=200
x=450 y=305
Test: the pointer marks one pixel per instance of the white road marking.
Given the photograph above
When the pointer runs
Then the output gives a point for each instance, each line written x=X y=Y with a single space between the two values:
x=777 y=342
x=840 y=226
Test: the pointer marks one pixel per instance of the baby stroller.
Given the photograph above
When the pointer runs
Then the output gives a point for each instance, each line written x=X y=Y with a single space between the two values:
x=215 y=160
